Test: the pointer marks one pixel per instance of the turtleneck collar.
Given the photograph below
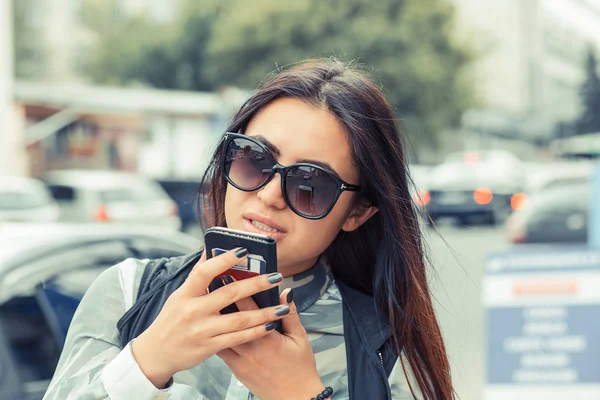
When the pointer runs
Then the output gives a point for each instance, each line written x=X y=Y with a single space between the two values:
x=310 y=285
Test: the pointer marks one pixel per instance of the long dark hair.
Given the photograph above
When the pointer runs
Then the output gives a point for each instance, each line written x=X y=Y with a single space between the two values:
x=384 y=257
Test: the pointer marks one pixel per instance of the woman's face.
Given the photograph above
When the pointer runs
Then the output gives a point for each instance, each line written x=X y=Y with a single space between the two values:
x=300 y=132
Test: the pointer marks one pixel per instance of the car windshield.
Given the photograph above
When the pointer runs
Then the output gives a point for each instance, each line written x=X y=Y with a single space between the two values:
x=476 y=167
x=460 y=170
x=16 y=200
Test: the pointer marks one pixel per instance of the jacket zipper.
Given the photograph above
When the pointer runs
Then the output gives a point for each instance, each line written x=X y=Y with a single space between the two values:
x=380 y=358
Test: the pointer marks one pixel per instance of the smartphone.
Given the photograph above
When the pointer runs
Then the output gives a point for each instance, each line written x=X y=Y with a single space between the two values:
x=261 y=260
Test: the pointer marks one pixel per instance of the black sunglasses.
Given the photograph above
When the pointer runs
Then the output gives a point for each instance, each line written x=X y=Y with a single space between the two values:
x=309 y=190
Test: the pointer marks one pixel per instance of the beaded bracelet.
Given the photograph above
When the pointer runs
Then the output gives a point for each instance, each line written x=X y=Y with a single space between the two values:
x=324 y=394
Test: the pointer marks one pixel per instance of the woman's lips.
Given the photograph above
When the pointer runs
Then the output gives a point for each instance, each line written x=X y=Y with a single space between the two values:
x=262 y=219
x=249 y=226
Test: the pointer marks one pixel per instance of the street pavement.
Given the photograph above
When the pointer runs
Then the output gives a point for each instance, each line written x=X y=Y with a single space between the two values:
x=456 y=272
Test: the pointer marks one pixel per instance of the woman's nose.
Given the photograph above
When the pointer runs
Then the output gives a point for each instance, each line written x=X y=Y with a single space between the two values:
x=271 y=194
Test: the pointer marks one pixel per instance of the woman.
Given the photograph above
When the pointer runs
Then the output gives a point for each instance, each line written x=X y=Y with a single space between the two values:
x=355 y=307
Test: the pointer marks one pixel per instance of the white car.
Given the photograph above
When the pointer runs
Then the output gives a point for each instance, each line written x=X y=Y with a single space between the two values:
x=110 y=196
x=482 y=185
x=44 y=271
x=26 y=200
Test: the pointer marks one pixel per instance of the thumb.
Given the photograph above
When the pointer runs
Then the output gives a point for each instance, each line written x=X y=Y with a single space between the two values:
x=291 y=323
x=200 y=261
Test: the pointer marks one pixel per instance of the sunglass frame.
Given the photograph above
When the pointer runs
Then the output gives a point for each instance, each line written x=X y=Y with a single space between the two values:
x=341 y=185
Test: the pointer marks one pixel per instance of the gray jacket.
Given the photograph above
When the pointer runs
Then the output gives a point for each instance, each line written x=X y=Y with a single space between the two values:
x=370 y=351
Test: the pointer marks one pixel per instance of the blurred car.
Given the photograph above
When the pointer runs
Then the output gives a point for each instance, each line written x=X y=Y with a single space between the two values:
x=26 y=200
x=557 y=214
x=109 y=196
x=544 y=175
x=417 y=187
x=44 y=271
x=474 y=186
x=185 y=194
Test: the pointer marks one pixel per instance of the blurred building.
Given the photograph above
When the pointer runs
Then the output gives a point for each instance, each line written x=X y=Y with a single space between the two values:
x=158 y=133
x=531 y=66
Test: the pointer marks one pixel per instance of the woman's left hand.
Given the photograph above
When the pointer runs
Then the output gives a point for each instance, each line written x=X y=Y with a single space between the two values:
x=276 y=366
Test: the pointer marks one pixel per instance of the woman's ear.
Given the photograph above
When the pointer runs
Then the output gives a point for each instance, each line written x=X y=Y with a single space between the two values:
x=358 y=216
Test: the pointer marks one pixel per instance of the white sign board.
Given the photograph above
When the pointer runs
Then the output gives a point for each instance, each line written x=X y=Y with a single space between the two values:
x=543 y=324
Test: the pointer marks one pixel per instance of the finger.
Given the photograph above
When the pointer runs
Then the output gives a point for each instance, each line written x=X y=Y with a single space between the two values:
x=200 y=261
x=242 y=320
x=236 y=291
x=248 y=304
x=291 y=322
x=205 y=271
x=233 y=339
x=245 y=304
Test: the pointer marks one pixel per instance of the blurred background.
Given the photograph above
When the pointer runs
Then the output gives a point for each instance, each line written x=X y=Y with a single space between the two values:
x=110 y=108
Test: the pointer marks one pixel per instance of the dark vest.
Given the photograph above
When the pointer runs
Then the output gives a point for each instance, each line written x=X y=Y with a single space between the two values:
x=366 y=333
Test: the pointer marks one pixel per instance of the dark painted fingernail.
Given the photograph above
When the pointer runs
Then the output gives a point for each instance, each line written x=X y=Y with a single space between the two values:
x=282 y=310
x=290 y=296
x=241 y=252
x=227 y=279
x=270 y=326
x=275 y=278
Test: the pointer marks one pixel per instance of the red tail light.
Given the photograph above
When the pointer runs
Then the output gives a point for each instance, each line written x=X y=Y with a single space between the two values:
x=519 y=239
x=423 y=198
x=516 y=229
x=174 y=209
x=101 y=215
x=483 y=196
x=518 y=201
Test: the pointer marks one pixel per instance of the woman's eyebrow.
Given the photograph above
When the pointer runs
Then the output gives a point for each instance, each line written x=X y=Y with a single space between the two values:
x=321 y=164
x=268 y=144
x=277 y=152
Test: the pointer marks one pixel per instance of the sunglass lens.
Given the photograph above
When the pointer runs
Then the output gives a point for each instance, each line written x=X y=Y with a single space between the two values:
x=310 y=191
x=247 y=164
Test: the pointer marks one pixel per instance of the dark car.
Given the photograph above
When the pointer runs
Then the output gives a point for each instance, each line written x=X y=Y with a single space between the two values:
x=558 y=214
x=44 y=272
x=479 y=186
x=185 y=194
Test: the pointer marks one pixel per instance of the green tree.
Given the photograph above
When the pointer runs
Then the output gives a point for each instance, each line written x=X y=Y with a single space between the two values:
x=122 y=43
x=408 y=43
x=137 y=50
x=589 y=122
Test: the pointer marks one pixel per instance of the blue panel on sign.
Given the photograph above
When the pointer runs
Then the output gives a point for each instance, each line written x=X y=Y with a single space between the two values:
x=543 y=345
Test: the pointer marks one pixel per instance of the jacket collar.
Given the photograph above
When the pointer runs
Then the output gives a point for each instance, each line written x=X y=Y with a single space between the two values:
x=369 y=321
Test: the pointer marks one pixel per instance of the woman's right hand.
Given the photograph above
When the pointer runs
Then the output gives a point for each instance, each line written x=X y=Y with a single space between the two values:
x=189 y=328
